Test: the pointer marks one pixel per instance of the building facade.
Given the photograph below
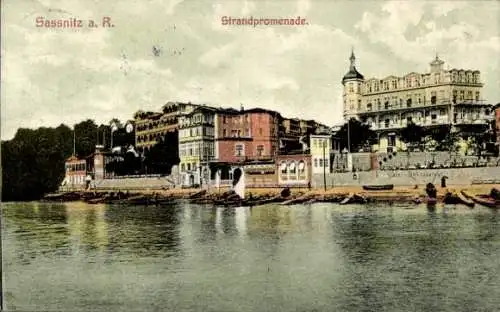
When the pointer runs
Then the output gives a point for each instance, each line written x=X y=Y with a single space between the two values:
x=294 y=170
x=440 y=97
x=321 y=146
x=196 y=145
x=76 y=173
x=151 y=126
x=246 y=135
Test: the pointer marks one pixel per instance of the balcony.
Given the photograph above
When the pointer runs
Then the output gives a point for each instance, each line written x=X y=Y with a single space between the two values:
x=254 y=158
x=403 y=124
x=477 y=120
x=404 y=107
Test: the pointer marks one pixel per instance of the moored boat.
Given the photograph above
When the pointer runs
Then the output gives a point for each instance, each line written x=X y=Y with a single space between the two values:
x=381 y=187
x=487 y=202
x=495 y=194
x=464 y=200
x=431 y=201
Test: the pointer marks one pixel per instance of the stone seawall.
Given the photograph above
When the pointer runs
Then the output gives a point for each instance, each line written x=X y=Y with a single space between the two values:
x=142 y=183
x=456 y=176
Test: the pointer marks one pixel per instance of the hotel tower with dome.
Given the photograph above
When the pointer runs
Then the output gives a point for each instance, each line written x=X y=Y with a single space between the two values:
x=440 y=97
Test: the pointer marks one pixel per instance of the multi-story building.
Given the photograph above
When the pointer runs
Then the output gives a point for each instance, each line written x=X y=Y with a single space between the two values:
x=197 y=145
x=320 y=153
x=76 y=173
x=294 y=133
x=151 y=126
x=246 y=135
x=450 y=97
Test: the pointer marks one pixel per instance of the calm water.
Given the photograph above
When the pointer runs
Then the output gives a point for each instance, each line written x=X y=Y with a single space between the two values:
x=322 y=257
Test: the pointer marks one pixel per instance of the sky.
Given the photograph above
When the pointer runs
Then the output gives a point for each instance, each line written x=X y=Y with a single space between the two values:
x=179 y=50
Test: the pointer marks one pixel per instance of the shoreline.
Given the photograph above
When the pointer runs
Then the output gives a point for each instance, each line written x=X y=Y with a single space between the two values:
x=260 y=196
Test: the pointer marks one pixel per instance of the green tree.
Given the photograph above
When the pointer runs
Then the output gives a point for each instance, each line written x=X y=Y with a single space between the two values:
x=412 y=134
x=357 y=134
x=164 y=154
x=33 y=161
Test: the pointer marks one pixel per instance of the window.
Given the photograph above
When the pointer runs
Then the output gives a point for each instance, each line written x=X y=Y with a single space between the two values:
x=369 y=106
x=321 y=162
x=302 y=166
x=224 y=119
x=224 y=132
x=433 y=99
x=293 y=168
x=183 y=168
x=260 y=150
x=239 y=150
x=260 y=131
x=247 y=132
x=359 y=104
x=188 y=167
x=387 y=123
x=283 y=170
x=351 y=87
x=408 y=102
x=477 y=96
x=386 y=105
x=315 y=162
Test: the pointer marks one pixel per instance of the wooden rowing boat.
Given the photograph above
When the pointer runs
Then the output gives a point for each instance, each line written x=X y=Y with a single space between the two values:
x=464 y=200
x=490 y=203
x=431 y=201
x=381 y=187
x=495 y=194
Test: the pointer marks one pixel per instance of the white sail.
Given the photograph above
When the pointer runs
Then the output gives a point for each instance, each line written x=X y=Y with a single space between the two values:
x=239 y=185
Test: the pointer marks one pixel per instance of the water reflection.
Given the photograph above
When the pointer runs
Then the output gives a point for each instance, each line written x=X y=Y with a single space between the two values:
x=144 y=230
x=38 y=230
x=299 y=258
x=88 y=227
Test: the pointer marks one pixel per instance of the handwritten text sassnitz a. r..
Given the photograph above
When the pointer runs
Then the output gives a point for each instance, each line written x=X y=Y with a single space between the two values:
x=253 y=21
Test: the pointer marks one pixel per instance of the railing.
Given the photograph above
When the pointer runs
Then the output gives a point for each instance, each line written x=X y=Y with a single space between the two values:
x=405 y=106
x=398 y=125
x=254 y=158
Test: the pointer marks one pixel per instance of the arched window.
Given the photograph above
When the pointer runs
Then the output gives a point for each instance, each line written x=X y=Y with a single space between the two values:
x=283 y=170
x=302 y=170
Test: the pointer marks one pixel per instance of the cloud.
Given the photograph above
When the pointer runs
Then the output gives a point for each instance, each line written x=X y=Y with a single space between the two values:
x=52 y=76
x=412 y=35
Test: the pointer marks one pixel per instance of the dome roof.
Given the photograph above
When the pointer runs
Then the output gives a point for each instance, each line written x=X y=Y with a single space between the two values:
x=352 y=73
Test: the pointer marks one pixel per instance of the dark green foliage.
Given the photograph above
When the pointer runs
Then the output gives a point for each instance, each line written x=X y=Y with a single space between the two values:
x=360 y=135
x=33 y=161
x=164 y=154
x=412 y=134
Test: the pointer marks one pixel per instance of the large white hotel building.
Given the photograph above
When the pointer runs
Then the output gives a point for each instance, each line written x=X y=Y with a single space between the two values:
x=439 y=97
